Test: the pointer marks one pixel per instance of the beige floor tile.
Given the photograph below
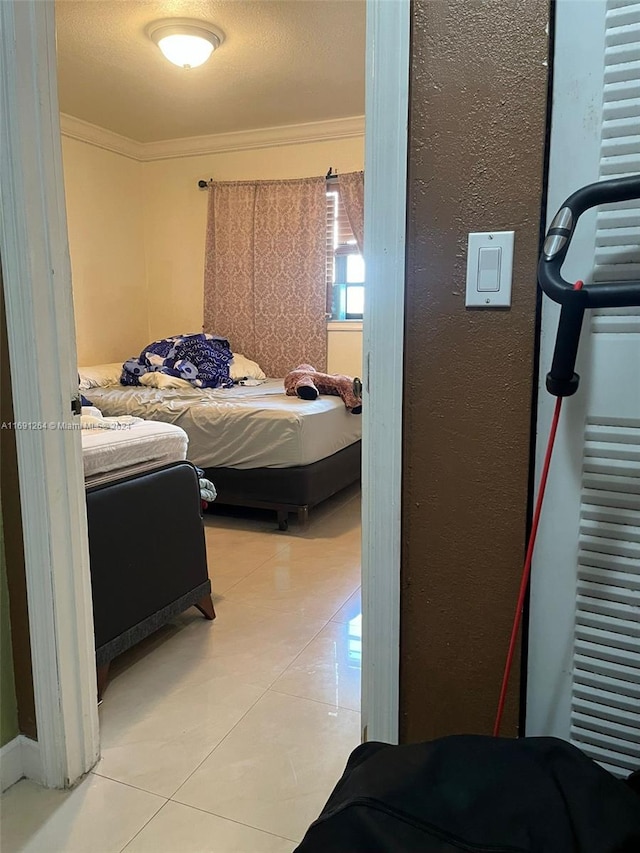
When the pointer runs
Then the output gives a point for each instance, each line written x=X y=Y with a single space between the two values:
x=237 y=520
x=328 y=670
x=277 y=767
x=229 y=544
x=99 y=815
x=316 y=585
x=253 y=645
x=233 y=553
x=351 y=608
x=244 y=520
x=339 y=515
x=153 y=646
x=180 y=829
x=222 y=583
x=224 y=577
x=157 y=727
x=342 y=551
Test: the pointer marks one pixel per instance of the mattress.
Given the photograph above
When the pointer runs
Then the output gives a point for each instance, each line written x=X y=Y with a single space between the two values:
x=241 y=427
x=110 y=454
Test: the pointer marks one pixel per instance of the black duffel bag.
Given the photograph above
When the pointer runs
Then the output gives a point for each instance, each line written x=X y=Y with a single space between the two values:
x=476 y=794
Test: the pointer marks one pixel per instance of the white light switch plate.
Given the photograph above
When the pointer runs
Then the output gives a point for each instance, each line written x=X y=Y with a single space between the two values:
x=494 y=294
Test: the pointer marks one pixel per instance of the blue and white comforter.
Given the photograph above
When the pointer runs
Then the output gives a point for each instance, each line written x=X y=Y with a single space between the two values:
x=203 y=360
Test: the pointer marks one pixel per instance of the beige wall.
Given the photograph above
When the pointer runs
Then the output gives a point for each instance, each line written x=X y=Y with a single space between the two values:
x=175 y=219
x=106 y=242
x=137 y=234
x=344 y=348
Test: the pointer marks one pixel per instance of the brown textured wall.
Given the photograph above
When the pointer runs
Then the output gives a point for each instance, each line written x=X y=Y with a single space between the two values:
x=13 y=545
x=476 y=146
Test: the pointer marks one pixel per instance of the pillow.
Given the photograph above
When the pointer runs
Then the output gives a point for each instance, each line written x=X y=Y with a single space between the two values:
x=99 y=375
x=243 y=368
x=91 y=412
x=155 y=379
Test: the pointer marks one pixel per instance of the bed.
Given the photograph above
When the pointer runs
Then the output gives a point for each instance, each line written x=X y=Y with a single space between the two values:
x=258 y=446
x=146 y=538
x=128 y=448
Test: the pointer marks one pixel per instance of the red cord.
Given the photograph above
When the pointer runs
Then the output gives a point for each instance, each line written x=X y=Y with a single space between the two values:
x=526 y=571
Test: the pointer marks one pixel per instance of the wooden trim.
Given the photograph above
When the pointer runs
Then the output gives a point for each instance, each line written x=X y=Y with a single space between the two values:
x=100 y=137
x=344 y=326
x=41 y=336
x=11 y=763
x=218 y=143
x=384 y=241
x=18 y=759
x=266 y=137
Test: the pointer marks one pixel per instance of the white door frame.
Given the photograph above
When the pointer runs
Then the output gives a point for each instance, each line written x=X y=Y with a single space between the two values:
x=41 y=337
x=386 y=119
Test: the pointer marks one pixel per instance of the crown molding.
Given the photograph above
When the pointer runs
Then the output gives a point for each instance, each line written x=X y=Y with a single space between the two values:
x=193 y=146
x=266 y=137
x=84 y=131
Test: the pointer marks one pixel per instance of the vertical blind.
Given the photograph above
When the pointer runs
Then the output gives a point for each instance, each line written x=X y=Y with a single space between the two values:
x=605 y=700
x=617 y=247
x=339 y=233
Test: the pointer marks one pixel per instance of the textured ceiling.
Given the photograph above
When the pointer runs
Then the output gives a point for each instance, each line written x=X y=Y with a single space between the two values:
x=282 y=62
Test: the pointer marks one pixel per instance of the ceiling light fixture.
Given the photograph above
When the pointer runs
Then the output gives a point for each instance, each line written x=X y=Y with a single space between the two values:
x=185 y=42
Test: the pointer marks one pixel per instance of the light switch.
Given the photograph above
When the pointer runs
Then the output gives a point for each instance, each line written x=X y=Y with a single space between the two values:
x=489 y=269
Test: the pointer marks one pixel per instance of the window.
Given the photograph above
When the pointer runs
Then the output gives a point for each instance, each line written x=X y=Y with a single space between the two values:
x=345 y=264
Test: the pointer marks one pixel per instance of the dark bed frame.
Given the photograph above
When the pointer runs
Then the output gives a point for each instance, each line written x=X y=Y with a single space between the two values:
x=286 y=490
x=142 y=576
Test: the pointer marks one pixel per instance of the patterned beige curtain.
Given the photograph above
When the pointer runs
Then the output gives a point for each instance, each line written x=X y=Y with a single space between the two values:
x=229 y=306
x=265 y=271
x=351 y=191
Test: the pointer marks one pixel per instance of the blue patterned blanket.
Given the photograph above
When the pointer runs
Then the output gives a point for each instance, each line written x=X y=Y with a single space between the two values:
x=201 y=359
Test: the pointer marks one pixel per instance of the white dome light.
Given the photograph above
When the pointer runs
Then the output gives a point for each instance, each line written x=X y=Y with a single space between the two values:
x=184 y=42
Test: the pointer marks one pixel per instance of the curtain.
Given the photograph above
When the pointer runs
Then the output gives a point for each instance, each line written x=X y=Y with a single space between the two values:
x=265 y=271
x=351 y=191
x=229 y=307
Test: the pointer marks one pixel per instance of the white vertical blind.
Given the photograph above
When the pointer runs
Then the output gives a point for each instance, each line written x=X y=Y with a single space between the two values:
x=605 y=708
x=618 y=229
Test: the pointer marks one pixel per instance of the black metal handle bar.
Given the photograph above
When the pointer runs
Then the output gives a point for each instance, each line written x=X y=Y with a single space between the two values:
x=611 y=294
x=561 y=380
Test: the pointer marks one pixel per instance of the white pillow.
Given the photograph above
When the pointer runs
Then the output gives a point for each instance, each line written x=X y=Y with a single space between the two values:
x=243 y=368
x=100 y=375
x=155 y=379
x=91 y=412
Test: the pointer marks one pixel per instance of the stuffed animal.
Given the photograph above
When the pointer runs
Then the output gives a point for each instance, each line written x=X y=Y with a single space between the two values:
x=306 y=382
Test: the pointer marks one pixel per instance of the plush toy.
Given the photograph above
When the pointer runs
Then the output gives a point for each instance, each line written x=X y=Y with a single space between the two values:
x=306 y=383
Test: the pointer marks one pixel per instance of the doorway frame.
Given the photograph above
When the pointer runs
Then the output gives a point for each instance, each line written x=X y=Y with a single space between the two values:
x=41 y=338
x=386 y=135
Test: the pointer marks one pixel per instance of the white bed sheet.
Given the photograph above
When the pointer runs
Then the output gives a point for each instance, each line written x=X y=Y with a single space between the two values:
x=241 y=427
x=109 y=454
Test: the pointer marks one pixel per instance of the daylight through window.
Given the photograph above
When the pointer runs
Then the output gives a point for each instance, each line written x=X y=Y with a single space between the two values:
x=345 y=264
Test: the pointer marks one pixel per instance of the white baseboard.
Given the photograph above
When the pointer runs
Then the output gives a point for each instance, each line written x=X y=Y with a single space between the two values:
x=11 y=763
x=20 y=758
x=32 y=760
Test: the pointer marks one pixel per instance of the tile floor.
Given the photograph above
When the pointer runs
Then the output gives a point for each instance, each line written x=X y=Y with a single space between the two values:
x=224 y=736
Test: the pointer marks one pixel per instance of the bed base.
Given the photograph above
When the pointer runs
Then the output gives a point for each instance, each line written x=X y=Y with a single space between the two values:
x=288 y=490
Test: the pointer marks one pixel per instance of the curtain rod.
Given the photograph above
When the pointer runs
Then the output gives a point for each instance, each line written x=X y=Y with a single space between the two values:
x=330 y=176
